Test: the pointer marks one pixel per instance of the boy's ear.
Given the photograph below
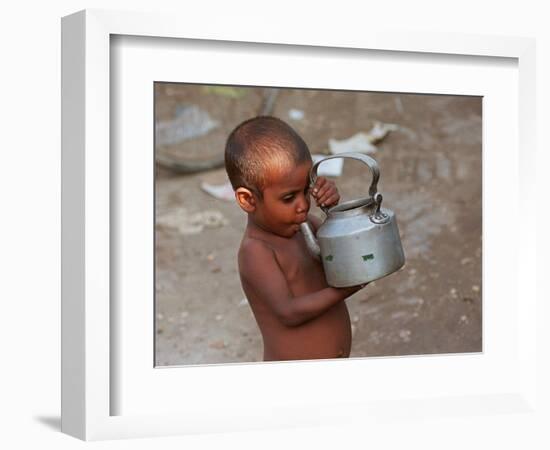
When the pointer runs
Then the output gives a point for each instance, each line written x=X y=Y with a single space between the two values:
x=245 y=199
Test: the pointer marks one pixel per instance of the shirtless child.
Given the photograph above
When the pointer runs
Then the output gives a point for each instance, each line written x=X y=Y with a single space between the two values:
x=299 y=315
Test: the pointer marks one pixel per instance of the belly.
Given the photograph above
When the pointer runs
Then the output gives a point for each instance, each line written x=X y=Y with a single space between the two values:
x=327 y=336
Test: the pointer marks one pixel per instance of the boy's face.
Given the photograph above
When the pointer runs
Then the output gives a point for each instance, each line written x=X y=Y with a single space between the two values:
x=285 y=201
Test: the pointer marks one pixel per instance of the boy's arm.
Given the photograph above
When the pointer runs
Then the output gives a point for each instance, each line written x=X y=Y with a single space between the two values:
x=262 y=275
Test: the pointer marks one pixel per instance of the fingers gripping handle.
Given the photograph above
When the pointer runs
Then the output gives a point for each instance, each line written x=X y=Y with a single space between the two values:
x=373 y=165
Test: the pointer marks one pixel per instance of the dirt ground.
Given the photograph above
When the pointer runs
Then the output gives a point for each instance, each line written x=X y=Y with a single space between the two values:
x=430 y=176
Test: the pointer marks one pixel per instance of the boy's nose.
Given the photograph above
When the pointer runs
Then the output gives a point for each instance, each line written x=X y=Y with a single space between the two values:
x=303 y=204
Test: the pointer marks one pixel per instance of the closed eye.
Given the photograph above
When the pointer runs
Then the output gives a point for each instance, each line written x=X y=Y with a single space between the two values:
x=288 y=198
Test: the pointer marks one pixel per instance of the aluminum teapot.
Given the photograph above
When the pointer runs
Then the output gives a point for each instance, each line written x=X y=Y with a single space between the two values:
x=359 y=241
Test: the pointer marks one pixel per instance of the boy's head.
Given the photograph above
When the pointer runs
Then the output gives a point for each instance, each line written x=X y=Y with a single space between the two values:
x=268 y=165
x=262 y=148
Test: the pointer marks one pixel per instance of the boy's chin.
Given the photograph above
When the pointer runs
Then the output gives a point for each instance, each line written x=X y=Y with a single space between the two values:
x=294 y=228
x=281 y=230
x=287 y=232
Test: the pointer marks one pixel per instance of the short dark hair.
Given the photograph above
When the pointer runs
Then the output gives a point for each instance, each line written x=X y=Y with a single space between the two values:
x=258 y=146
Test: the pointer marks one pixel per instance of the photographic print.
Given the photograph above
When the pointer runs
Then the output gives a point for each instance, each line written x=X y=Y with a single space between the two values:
x=220 y=297
x=198 y=227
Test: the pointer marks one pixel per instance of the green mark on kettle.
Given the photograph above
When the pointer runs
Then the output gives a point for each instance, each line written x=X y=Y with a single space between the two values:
x=367 y=257
x=328 y=258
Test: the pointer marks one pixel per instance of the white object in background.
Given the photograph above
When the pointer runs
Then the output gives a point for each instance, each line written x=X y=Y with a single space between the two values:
x=296 y=114
x=330 y=168
x=360 y=142
x=220 y=191
x=380 y=130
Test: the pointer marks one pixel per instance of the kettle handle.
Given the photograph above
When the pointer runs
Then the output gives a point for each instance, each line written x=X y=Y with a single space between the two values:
x=373 y=165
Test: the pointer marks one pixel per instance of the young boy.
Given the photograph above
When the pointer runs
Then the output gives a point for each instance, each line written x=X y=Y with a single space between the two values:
x=299 y=315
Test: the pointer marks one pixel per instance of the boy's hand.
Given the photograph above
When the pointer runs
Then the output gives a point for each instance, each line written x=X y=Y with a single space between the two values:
x=353 y=289
x=325 y=193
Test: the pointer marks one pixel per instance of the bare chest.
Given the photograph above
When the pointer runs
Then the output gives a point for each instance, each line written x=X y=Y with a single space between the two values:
x=302 y=271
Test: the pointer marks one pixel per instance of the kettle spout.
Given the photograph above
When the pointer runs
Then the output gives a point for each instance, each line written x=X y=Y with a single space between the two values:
x=311 y=241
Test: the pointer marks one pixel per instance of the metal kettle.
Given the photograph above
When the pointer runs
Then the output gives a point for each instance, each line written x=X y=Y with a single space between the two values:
x=359 y=241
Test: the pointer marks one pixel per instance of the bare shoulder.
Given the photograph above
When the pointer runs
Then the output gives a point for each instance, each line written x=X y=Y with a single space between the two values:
x=251 y=246
x=254 y=253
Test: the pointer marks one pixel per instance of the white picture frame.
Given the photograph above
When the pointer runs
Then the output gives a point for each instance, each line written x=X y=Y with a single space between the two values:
x=88 y=331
